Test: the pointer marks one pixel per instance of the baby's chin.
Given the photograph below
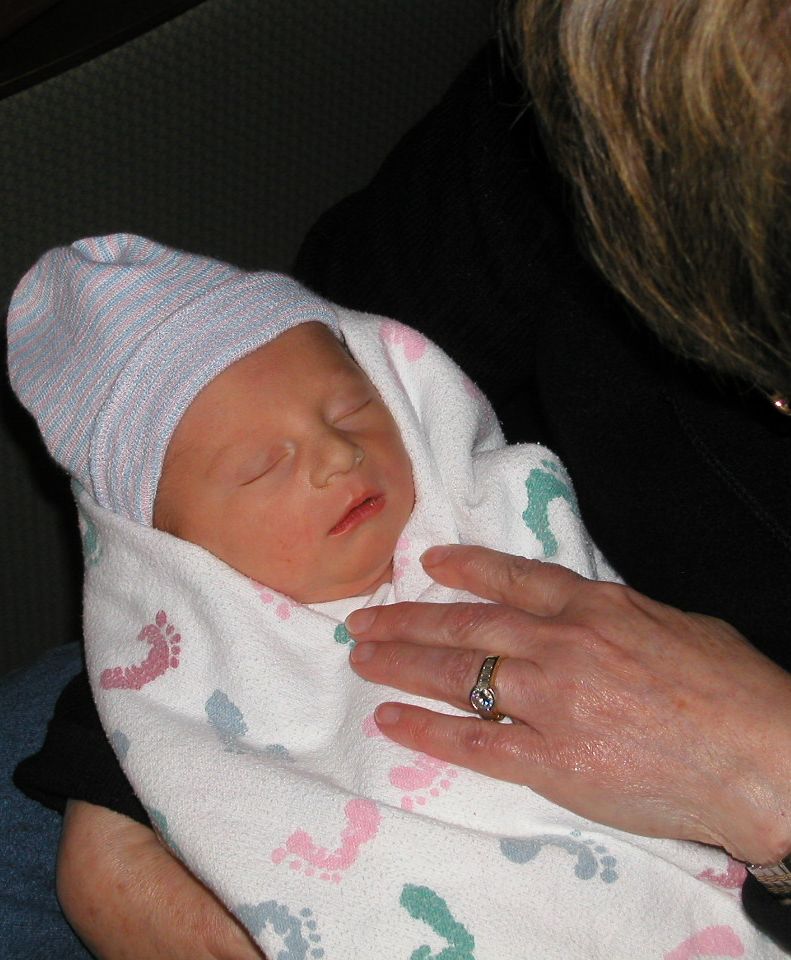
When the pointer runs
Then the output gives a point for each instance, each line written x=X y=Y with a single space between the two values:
x=364 y=586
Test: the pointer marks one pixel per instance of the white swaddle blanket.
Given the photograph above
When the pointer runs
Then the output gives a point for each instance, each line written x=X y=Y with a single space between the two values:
x=251 y=742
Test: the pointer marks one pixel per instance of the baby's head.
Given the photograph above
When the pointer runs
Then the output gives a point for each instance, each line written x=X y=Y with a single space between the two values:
x=216 y=404
x=290 y=468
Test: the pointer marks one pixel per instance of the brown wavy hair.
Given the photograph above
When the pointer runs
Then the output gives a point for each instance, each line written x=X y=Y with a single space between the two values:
x=672 y=120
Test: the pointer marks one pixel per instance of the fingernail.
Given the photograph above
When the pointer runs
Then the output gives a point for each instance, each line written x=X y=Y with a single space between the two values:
x=362 y=652
x=360 y=621
x=434 y=555
x=387 y=714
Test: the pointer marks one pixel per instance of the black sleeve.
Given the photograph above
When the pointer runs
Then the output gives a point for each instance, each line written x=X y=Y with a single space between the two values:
x=769 y=914
x=431 y=244
x=76 y=760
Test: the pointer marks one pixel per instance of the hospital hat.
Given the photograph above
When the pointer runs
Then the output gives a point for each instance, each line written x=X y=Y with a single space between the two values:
x=111 y=338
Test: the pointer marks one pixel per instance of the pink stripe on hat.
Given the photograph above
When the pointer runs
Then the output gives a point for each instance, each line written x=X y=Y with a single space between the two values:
x=111 y=338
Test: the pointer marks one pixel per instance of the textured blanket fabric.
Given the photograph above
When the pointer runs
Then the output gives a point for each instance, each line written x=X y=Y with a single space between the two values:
x=251 y=742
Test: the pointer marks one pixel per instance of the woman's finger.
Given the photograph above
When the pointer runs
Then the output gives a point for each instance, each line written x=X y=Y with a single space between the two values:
x=505 y=751
x=450 y=675
x=483 y=626
x=534 y=586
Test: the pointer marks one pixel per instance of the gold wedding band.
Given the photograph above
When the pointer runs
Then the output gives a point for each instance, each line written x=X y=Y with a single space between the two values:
x=483 y=696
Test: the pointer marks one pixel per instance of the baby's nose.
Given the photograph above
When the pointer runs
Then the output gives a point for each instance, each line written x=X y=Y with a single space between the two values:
x=337 y=456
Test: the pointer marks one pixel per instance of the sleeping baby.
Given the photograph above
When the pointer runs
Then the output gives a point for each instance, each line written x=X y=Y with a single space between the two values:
x=251 y=463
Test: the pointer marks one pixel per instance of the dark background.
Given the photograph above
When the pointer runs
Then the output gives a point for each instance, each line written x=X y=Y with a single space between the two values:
x=224 y=127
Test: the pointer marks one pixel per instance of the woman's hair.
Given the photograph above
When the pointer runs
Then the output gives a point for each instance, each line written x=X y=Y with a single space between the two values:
x=672 y=120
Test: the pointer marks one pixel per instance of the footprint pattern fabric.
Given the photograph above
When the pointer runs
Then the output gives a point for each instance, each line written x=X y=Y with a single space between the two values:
x=296 y=934
x=251 y=742
x=165 y=644
x=425 y=904
x=589 y=858
x=545 y=485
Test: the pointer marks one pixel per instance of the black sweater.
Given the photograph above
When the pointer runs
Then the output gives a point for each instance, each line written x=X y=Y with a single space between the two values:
x=682 y=482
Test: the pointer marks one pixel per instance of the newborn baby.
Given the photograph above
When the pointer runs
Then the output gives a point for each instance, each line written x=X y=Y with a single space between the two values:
x=251 y=463
x=289 y=467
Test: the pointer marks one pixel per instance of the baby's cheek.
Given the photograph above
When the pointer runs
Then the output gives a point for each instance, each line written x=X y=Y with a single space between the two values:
x=289 y=542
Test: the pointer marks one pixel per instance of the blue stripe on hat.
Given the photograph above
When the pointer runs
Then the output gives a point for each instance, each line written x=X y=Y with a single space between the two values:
x=110 y=339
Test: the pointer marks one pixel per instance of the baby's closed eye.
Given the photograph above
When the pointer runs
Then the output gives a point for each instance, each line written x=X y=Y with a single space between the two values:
x=352 y=408
x=253 y=468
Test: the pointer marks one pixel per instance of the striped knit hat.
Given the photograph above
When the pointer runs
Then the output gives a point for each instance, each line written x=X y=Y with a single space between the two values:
x=110 y=339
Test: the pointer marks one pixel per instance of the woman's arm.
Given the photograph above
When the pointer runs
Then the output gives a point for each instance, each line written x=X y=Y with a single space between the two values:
x=629 y=712
x=128 y=898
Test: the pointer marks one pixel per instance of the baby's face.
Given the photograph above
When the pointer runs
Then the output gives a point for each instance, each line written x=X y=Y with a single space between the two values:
x=289 y=467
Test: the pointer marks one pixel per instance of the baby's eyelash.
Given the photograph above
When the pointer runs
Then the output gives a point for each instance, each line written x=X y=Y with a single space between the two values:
x=357 y=409
x=262 y=473
x=246 y=483
x=337 y=411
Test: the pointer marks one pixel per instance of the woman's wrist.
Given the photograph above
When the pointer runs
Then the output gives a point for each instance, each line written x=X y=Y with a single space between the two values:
x=757 y=792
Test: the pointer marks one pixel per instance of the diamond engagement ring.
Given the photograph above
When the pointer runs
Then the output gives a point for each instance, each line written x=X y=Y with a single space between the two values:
x=482 y=696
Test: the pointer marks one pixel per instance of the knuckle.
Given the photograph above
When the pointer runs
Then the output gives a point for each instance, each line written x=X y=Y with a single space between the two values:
x=463 y=618
x=461 y=670
x=475 y=736
x=540 y=584
x=393 y=619
x=517 y=572
x=602 y=603
x=613 y=594
x=595 y=648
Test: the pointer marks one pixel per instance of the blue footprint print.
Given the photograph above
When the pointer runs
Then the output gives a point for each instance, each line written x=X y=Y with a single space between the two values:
x=298 y=933
x=590 y=859
x=544 y=486
x=160 y=824
x=120 y=743
x=227 y=720
x=423 y=903
x=229 y=725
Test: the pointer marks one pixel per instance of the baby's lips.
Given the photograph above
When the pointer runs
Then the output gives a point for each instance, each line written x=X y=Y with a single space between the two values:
x=355 y=505
x=352 y=504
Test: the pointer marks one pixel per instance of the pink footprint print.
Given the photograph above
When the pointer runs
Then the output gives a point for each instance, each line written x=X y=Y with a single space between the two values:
x=732 y=879
x=425 y=778
x=710 y=942
x=422 y=780
x=165 y=651
x=413 y=343
x=401 y=558
x=282 y=607
x=362 y=824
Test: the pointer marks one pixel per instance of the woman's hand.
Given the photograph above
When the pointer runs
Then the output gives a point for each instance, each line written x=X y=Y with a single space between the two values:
x=626 y=711
x=128 y=898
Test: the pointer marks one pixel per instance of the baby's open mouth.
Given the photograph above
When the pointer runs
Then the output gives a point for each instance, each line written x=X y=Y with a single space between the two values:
x=359 y=513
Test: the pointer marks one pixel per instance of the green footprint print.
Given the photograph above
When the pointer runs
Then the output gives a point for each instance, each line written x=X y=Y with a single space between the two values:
x=422 y=903
x=544 y=486
x=342 y=635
